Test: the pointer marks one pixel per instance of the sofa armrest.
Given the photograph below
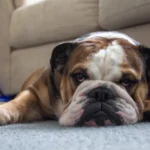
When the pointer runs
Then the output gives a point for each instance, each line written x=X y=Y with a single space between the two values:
x=6 y=9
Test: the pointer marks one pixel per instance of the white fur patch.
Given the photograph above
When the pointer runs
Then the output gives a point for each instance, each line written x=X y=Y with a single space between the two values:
x=105 y=64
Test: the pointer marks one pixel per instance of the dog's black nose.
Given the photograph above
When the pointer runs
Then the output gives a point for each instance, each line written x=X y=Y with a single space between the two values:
x=101 y=94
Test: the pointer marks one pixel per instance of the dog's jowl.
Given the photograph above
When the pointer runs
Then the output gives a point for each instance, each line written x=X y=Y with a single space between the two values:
x=99 y=79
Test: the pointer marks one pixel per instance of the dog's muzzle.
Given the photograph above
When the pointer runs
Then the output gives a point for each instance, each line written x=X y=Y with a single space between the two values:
x=100 y=108
x=102 y=103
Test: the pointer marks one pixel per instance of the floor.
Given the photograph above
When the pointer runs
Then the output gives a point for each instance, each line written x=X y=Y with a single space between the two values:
x=50 y=136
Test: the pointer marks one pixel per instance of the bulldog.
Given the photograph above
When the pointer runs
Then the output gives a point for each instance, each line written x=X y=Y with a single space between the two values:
x=99 y=79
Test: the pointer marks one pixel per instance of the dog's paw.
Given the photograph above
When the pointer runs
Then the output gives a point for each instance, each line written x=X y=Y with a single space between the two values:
x=4 y=117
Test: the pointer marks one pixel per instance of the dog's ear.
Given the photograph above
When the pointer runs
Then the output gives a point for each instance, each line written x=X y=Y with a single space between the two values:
x=145 y=52
x=60 y=55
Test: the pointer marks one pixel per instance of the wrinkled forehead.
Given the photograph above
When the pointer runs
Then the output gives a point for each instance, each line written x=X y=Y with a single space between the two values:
x=117 y=58
x=105 y=64
x=106 y=58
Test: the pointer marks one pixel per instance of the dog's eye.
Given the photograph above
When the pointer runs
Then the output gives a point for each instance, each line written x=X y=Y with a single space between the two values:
x=80 y=77
x=127 y=82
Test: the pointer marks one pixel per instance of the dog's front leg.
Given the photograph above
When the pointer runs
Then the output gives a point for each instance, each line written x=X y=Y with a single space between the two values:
x=25 y=107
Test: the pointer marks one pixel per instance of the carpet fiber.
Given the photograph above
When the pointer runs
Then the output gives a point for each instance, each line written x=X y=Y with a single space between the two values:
x=50 y=136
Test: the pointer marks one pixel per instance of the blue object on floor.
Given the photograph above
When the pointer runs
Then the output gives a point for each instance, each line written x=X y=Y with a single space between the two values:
x=6 y=98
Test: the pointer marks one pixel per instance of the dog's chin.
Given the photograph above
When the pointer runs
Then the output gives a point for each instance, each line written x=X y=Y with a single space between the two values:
x=86 y=110
x=112 y=112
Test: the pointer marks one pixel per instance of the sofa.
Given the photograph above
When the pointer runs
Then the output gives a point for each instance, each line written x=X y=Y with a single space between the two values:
x=29 y=32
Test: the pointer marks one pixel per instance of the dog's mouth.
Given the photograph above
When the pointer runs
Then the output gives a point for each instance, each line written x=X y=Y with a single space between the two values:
x=105 y=104
x=100 y=109
x=100 y=103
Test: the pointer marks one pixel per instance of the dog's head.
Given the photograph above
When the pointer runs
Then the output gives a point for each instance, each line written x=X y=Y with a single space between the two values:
x=109 y=70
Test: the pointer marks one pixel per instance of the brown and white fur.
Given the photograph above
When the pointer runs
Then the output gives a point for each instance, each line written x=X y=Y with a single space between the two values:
x=99 y=79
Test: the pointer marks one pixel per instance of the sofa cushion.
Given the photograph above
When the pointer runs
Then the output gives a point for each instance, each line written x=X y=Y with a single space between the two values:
x=52 y=20
x=140 y=33
x=26 y=61
x=114 y=14
x=6 y=8
x=18 y=3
